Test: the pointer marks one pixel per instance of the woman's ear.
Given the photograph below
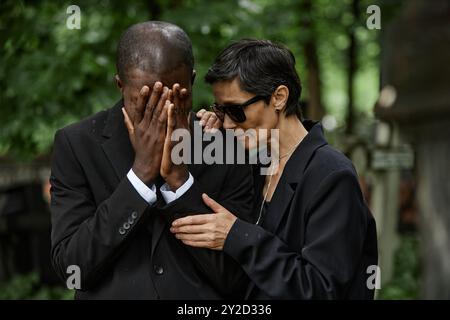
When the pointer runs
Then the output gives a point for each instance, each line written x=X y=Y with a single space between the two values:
x=280 y=97
x=119 y=82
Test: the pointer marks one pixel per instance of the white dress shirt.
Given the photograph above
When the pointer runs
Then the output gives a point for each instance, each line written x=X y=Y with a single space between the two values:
x=149 y=194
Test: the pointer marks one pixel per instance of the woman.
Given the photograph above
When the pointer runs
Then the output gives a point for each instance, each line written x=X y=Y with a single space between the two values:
x=315 y=237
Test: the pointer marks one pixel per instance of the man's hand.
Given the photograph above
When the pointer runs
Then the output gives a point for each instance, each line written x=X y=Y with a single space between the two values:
x=175 y=175
x=147 y=131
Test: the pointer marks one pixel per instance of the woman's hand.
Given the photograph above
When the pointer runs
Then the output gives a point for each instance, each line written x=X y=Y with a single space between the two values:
x=205 y=230
x=209 y=120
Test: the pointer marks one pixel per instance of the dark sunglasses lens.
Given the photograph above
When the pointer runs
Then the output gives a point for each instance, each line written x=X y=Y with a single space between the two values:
x=236 y=114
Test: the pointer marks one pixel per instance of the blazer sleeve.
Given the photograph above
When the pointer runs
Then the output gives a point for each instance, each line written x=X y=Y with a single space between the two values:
x=237 y=196
x=83 y=233
x=326 y=263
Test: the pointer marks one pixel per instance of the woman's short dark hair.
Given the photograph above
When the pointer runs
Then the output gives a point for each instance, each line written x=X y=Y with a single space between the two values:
x=261 y=66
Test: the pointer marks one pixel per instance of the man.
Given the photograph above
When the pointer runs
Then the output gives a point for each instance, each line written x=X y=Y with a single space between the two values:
x=114 y=193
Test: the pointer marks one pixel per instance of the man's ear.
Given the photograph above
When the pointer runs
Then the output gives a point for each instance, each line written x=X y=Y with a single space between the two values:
x=280 y=97
x=119 y=82
x=194 y=73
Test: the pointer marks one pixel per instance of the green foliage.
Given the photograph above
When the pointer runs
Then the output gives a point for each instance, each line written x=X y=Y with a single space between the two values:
x=28 y=287
x=51 y=76
x=405 y=280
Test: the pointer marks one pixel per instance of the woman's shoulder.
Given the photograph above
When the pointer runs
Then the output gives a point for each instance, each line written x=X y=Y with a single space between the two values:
x=327 y=161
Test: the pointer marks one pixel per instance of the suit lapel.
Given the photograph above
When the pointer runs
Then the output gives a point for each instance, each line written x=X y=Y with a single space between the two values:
x=117 y=147
x=278 y=205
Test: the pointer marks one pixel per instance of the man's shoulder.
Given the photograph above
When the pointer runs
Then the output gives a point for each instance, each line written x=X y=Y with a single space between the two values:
x=92 y=123
x=86 y=133
x=91 y=126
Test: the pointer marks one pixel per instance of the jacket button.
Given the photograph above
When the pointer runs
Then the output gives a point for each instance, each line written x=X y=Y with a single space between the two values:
x=134 y=215
x=130 y=220
x=158 y=270
x=121 y=231
x=126 y=226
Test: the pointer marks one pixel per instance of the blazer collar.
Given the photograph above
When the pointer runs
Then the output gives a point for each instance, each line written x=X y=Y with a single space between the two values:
x=117 y=145
x=301 y=157
x=292 y=174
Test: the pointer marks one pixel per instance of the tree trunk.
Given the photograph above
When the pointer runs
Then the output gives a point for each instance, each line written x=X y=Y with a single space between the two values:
x=315 y=109
x=352 y=65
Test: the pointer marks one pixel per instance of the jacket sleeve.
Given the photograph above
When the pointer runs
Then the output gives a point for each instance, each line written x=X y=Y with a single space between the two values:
x=325 y=264
x=237 y=196
x=83 y=233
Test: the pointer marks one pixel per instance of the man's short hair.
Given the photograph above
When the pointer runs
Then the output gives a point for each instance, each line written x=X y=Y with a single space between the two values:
x=261 y=66
x=153 y=46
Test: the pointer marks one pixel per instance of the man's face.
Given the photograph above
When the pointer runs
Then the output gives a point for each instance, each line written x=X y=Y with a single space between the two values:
x=138 y=78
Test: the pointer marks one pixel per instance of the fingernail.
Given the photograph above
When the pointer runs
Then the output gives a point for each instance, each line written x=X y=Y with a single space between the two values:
x=213 y=130
x=202 y=123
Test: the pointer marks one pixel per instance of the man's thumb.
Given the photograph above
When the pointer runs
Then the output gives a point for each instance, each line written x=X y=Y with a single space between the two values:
x=127 y=120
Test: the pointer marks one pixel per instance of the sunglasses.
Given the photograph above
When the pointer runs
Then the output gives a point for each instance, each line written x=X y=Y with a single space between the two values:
x=234 y=111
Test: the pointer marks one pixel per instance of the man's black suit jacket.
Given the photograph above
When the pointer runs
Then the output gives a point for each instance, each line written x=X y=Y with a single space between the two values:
x=122 y=245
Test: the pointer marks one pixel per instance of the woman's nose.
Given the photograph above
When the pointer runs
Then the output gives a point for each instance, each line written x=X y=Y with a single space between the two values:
x=228 y=123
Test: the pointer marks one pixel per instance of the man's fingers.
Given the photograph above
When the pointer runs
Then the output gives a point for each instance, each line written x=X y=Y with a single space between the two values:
x=183 y=93
x=170 y=126
x=162 y=117
x=130 y=126
x=194 y=219
x=171 y=120
x=184 y=101
x=152 y=102
x=170 y=95
x=176 y=97
x=140 y=106
x=161 y=104
x=212 y=203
